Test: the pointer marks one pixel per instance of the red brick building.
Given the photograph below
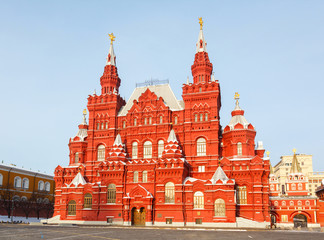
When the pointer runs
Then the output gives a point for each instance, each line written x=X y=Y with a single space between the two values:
x=296 y=207
x=157 y=160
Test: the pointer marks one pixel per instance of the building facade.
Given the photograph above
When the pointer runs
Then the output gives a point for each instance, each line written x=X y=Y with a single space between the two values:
x=25 y=193
x=305 y=161
x=157 y=160
x=295 y=207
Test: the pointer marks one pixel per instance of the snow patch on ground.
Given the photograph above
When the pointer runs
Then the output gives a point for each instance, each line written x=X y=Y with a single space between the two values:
x=18 y=219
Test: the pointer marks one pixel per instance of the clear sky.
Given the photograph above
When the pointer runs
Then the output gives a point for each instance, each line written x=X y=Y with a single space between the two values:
x=52 y=54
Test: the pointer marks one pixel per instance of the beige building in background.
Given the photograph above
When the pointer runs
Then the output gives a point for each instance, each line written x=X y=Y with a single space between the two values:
x=282 y=168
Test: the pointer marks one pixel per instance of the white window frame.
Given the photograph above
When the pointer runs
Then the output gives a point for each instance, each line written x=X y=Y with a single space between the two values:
x=147 y=149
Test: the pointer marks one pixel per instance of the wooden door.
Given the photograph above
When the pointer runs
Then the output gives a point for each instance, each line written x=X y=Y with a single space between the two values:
x=143 y=216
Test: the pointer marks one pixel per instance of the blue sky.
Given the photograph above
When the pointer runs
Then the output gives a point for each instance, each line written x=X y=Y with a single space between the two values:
x=53 y=54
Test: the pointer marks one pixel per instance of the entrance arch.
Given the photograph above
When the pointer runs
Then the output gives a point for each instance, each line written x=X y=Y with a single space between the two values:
x=138 y=216
x=300 y=220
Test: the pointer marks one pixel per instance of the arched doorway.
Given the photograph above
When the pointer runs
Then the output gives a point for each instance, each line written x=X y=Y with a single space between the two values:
x=300 y=220
x=138 y=216
x=273 y=220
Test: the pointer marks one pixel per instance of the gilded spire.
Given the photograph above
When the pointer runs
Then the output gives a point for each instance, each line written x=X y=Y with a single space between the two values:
x=201 y=22
x=111 y=59
x=201 y=44
x=295 y=168
x=237 y=97
x=112 y=38
x=84 y=117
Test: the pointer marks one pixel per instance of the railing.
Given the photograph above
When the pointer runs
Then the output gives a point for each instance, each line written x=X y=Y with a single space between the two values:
x=152 y=82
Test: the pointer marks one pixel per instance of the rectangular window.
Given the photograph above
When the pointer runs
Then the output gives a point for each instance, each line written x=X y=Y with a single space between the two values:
x=198 y=221
x=196 y=117
x=206 y=116
x=201 y=168
x=201 y=117
x=168 y=220
x=284 y=218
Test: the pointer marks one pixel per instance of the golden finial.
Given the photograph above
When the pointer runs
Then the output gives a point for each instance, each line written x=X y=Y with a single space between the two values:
x=268 y=153
x=294 y=150
x=84 y=111
x=237 y=96
x=112 y=38
x=201 y=22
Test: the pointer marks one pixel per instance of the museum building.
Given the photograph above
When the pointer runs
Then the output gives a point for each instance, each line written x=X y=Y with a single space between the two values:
x=157 y=160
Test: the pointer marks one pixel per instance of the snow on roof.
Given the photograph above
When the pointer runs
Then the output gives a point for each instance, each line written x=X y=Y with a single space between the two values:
x=191 y=179
x=163 y=90
x=219 y=174
x=78 y=179
x=118 y=140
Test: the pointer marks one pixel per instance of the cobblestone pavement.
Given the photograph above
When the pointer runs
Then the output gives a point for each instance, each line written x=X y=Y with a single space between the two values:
x=113 y=233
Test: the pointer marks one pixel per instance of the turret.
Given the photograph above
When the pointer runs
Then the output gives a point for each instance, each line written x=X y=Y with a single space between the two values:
x=202 y=68
x=110 y=80
x=238 y=135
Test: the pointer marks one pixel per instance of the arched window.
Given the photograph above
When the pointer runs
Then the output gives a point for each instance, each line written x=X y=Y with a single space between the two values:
x=1 y=179
x=150 y=120
x=102 y=125
x=201 y=117
x=72 y=208
x=299 y=203
x=135 y=121
x=201 y=147
x=111 y=193
x=276 y=203
x=25 y=183
x=196 y=117
x=41 y=186
x=169 y=192
x=134 y=150
x=46 y=200
x=135 y=177
x=220 y=208
x=241 y=196
x=206 y=116
x=145 y=121
x=101 y=153
x=106 y=125
x=239 y=149
x=283 y=203
x=161 y=119
x=300 y=186
x=144 y=176
x=87 y=201
x=147 y=149
x=293 y=186
x=199 y=200
x=160 y=147
x=98 y=126
x=17 y=182
x=124 y=124
x=47 y=186
x=24 y=198
x=175 y=120
x=291 y=203
x=76 y=158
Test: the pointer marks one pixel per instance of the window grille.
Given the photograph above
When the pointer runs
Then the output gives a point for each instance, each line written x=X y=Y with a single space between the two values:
x=87 y=201
x=201 y=147
x=101 y=153
x=111 y=193
x=72 y=208
x=135 y=177
x=76 y=158
x=147 y=149
x=134 y=150
x=144 y=176
x=239 y=149
x=220 y=208
x=160 y=148
x=169 y=192
x=241 y=196
x=198 y=200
